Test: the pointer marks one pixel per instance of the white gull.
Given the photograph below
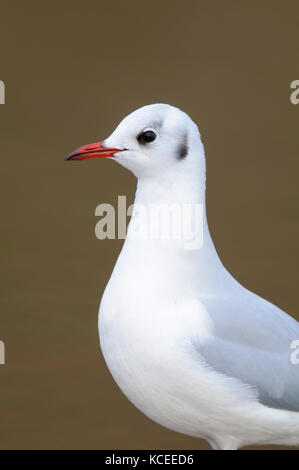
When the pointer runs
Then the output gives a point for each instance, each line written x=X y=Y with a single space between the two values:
x=187 y=344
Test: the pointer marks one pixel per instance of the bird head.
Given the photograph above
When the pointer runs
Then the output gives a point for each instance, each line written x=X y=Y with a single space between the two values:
x=151 y=140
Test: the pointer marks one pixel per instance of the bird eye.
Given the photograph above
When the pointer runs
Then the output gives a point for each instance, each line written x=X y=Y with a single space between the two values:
x=146 y=137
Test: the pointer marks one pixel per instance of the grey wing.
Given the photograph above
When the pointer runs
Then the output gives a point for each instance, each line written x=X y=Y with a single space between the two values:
x=253 y=342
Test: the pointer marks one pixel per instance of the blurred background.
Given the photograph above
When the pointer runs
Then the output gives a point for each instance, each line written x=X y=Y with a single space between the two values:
x=72 y=70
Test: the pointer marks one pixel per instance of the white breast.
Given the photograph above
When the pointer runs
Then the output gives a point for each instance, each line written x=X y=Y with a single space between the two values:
x=146 y=345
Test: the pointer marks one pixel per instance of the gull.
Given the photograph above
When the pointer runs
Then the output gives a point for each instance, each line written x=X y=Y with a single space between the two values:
x=188 y=345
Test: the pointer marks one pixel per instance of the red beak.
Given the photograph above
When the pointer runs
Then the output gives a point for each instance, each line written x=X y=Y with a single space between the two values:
x=92 y=151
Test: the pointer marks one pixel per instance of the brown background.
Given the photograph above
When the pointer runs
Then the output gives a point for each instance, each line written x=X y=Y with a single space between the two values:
x=72 y=70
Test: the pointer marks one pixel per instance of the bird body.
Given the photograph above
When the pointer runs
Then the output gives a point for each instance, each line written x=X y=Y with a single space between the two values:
x=187 y=344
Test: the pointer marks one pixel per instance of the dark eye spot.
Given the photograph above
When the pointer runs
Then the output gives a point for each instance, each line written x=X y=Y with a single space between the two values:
x=146 y=137
x=182 y=150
